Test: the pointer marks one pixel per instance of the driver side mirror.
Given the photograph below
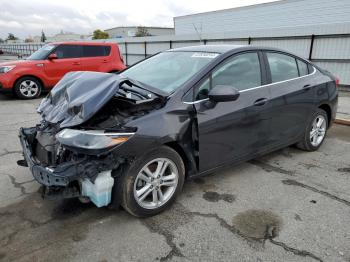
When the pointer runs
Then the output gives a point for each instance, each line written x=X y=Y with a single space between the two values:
x=223 y=93
x=52 y=56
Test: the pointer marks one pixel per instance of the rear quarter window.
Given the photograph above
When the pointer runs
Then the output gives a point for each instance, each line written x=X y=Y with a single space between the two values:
x=282 y=67
x=303 y=69
x=93 y=51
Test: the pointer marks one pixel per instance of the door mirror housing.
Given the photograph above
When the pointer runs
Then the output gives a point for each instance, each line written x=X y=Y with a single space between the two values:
x=223 y=93
x=52 y=56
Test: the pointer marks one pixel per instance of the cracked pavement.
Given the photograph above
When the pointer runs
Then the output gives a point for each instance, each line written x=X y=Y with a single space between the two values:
x=286 y=206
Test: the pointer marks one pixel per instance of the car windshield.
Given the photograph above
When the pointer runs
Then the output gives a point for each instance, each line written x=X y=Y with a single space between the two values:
x=41 y=53
x=167 y=71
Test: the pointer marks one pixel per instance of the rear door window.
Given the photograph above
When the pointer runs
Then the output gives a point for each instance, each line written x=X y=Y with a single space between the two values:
x=282 y=67
x=93 y=51
x=68 y=51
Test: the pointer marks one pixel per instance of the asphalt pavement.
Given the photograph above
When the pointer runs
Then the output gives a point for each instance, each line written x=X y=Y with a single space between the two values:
x=287 y=206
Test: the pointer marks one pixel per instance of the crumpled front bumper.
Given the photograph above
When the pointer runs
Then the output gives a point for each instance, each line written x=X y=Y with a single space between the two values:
x=64 y=173
x=44 y=175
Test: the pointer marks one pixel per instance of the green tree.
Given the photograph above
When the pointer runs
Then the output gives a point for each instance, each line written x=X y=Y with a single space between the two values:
x=1 y=40
x=99 y=34
x=28 y=40
x=11 y=37
x=43 y=37
x=142 y=31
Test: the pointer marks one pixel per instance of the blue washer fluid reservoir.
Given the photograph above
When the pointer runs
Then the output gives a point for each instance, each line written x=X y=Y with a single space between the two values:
x=100 y=192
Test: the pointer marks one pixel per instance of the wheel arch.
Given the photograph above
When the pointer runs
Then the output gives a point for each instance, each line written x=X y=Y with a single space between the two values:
x=328 y=110
x=33 y=76
x=190 y=166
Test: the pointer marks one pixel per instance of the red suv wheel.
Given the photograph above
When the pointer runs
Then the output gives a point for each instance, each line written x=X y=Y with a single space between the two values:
x=27 y=88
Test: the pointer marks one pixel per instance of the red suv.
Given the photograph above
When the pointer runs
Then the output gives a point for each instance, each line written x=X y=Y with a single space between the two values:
x=45 y=67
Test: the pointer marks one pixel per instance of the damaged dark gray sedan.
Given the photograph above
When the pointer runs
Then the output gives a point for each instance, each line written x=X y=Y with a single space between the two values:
x=131 y=139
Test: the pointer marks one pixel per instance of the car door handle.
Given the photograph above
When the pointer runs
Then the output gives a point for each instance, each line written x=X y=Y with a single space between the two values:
x=260 y=102
x=76 y=63
x=104 y=61
x=307 y=87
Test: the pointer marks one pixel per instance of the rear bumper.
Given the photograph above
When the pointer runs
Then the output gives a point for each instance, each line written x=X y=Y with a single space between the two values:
x=334 y=109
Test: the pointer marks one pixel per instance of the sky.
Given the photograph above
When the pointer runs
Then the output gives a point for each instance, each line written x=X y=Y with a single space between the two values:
x=26 y=18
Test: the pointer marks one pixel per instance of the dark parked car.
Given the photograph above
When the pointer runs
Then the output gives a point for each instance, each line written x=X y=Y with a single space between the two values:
x=133 y=138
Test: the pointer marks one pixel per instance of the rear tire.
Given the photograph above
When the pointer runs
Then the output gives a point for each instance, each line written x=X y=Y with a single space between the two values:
x=315 y=132
x=27 y=88
x=147 y=192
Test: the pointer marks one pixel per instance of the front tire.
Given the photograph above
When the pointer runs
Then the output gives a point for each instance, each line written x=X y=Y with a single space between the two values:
x=315 y=132
x=152 y=182
x=27 y=88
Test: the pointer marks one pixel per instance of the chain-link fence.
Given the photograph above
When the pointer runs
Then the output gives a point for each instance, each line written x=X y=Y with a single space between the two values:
x=330 y=51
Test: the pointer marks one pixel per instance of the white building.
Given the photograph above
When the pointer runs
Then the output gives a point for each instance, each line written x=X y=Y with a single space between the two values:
x=63 y=37
x=130 y=31
x=318 y=30
x=304 y=16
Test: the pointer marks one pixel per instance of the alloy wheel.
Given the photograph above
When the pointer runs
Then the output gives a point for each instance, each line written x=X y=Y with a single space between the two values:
x=28 y=88
x=156 y=183
x=318 y=130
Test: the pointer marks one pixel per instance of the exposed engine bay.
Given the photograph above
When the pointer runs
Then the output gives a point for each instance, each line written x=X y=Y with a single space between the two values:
x=127 y=104
x=97 y=119
x=122 y=108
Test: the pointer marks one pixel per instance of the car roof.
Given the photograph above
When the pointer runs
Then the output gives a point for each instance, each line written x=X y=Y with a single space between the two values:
x=208 y=48
x=222 y=49
x=81 y=43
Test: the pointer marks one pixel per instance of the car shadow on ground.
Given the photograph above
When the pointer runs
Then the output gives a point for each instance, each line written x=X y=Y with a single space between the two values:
x=11 y=97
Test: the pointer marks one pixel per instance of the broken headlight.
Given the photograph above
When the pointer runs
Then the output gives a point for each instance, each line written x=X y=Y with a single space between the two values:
x=91 y=139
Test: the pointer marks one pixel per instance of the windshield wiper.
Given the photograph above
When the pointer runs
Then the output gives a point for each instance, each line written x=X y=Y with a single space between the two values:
x=143 y=86
x=132 y=93
x=126 y=87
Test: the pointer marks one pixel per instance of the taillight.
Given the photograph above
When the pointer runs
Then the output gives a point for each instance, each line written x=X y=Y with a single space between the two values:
x=120 y=55
x=337 y=81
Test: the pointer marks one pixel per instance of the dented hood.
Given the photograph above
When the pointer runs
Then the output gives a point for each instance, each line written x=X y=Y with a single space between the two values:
x=77 y=97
